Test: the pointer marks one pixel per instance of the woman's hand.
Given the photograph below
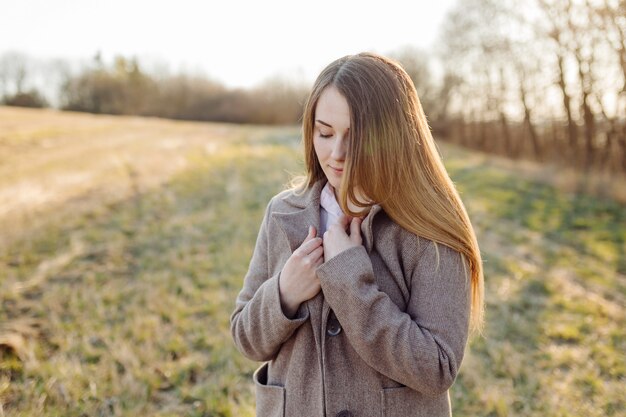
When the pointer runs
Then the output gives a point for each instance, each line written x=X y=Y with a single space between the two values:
x=336 y=239
x=298 y=281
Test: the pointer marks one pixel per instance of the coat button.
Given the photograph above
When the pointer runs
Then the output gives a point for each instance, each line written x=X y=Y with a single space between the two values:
x=344 y=413
x=333 y=327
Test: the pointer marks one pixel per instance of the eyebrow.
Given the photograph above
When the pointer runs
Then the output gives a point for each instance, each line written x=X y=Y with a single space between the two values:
x=324 y=123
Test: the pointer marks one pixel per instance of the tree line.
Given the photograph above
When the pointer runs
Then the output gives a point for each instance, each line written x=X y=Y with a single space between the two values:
x=123 y=87
x=541 y=79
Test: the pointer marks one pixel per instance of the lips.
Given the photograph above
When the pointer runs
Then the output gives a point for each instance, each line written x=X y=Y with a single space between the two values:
x=337 y=170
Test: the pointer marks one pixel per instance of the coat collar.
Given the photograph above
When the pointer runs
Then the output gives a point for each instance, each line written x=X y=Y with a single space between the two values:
x=306 y=211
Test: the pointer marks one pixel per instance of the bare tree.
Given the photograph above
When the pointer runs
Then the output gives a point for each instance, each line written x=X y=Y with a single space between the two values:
x=13 y=72
x=524 y=92
x=557 y=32
x=511 y=59
x=417 y=64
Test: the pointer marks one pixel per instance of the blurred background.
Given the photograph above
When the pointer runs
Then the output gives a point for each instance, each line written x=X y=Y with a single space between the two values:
x=141 y=141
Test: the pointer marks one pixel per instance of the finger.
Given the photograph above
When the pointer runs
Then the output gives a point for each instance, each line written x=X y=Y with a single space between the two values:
x=309 y=245
x=311 y=234
x=317 y=253
x=344 y=220
x=355 y=230
x=342 y=224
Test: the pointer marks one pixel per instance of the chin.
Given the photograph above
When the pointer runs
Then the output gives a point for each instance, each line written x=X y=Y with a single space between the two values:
x=335 y=185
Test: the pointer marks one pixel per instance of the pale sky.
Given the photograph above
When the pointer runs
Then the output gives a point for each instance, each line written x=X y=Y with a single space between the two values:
x=239 y=43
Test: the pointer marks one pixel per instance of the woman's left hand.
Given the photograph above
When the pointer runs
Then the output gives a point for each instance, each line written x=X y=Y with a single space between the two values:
x=336 y=239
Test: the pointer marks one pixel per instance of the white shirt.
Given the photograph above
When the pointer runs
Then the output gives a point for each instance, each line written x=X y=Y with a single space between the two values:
x=330 y=211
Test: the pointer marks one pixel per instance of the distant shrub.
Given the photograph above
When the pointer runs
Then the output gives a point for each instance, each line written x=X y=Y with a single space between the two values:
x=125 y=88
x=32 y=98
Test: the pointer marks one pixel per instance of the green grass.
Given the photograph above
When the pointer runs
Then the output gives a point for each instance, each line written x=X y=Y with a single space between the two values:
x=555 y=291
x=129 y=314
x=137 y=322
x=591 y=226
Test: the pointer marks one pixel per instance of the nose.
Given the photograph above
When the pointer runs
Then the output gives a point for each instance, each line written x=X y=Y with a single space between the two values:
x=340 y=148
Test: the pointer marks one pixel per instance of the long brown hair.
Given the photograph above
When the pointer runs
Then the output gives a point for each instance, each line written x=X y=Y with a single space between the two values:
x=393 y=160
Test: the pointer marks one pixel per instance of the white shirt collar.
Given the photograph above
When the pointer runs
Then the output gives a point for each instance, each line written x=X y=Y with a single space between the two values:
x=329 y=202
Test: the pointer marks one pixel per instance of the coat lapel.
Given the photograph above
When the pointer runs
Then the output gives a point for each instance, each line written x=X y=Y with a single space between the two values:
x=366 y=227
x=305 y=211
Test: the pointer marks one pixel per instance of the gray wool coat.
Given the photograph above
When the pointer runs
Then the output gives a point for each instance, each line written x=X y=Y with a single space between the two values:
x=385 y=336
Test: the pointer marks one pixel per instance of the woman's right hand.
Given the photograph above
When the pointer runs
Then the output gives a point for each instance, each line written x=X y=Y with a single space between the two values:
x=298 y=281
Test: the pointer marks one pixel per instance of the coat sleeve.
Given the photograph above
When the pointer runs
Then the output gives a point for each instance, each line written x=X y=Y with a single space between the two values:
x=258 y=324
x=421 y=348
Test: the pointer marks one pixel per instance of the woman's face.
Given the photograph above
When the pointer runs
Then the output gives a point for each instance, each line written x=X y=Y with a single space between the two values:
x=330 y=134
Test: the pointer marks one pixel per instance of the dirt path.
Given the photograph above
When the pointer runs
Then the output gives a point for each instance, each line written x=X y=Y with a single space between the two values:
x=52 y=162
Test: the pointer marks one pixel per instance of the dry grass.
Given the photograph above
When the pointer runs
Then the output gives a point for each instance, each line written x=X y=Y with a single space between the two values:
x=117 y=278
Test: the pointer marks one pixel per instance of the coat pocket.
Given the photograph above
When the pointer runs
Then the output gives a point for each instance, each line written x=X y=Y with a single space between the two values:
x=405 y=402
x=270 y=399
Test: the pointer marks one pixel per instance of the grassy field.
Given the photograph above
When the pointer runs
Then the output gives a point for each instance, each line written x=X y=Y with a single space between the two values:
x=124 y=242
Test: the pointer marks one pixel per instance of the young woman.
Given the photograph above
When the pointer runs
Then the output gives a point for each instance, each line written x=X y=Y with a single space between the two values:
x=366 y=279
